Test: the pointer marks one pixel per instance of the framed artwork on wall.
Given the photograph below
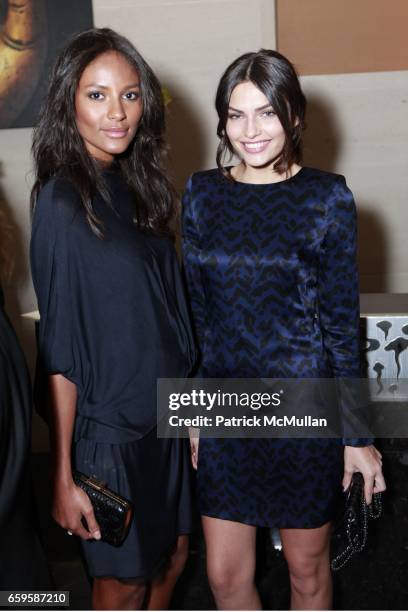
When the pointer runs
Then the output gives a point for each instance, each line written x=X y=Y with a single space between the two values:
x=32 y=33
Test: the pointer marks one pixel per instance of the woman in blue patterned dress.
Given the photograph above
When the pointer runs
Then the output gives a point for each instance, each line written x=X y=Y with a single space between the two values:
x=270 y=258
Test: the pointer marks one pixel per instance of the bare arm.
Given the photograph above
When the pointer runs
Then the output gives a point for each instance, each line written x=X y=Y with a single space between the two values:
x=194 y=435
x=70 y=503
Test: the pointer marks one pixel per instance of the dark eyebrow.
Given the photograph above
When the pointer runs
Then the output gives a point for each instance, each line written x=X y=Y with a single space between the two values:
x=264 y=107
x=97 y=86
x=261 y=108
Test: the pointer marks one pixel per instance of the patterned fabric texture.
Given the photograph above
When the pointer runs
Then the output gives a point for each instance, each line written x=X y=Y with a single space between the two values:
x=272 y=276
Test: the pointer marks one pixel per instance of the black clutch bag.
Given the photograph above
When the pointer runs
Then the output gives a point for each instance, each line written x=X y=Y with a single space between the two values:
x=112 y=511
x=351 y=535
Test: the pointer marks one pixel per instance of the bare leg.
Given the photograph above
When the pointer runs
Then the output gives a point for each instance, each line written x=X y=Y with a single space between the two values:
x=307 y=554
x=231 y=563
x=161 y=588
x=113 y=594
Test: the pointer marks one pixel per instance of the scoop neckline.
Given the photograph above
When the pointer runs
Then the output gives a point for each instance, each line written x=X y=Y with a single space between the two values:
x=272 y=184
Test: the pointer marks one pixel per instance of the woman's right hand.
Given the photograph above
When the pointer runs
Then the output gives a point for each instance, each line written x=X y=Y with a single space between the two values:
x=71 y=504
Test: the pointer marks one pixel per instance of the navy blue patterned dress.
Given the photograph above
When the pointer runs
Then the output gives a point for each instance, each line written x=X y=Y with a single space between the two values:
x=272 y=276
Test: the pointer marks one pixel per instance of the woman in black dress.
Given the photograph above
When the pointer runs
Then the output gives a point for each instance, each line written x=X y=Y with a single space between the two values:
x=270 y=256
x=113 y=315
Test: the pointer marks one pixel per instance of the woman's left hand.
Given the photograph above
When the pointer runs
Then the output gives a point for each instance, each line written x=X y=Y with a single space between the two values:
x=367 y=460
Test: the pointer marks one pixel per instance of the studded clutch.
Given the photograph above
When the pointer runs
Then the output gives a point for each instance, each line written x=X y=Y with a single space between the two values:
x=112 y=511
x=351 y=535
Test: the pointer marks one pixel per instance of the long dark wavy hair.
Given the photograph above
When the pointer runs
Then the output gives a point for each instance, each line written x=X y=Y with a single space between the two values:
x=275 y=76
x=59 y=149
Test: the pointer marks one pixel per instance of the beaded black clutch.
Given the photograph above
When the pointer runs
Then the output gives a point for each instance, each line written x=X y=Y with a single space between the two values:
x=351 y=535
x=112 y=511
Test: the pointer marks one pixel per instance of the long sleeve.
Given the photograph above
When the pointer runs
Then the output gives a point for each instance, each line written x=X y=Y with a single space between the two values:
x=339 y=300
x=193 y=267
x=50 y=265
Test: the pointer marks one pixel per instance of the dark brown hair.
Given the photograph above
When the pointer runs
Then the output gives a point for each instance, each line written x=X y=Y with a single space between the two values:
x=276 y=78
x=59 y=149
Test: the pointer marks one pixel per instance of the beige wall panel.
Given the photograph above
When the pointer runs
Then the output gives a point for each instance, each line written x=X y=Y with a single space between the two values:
x=357 y=125
x=15 y=183
x=338 y=36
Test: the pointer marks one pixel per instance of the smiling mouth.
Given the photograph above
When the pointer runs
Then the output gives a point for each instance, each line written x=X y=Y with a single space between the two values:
x=255 y=147
x=116 y=132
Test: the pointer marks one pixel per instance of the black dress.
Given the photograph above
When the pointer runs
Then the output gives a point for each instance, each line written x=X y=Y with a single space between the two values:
x=114 y=320
x=22 y=561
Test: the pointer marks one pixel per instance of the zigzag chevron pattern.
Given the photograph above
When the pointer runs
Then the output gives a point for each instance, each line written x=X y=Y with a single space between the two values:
x=272 y=276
